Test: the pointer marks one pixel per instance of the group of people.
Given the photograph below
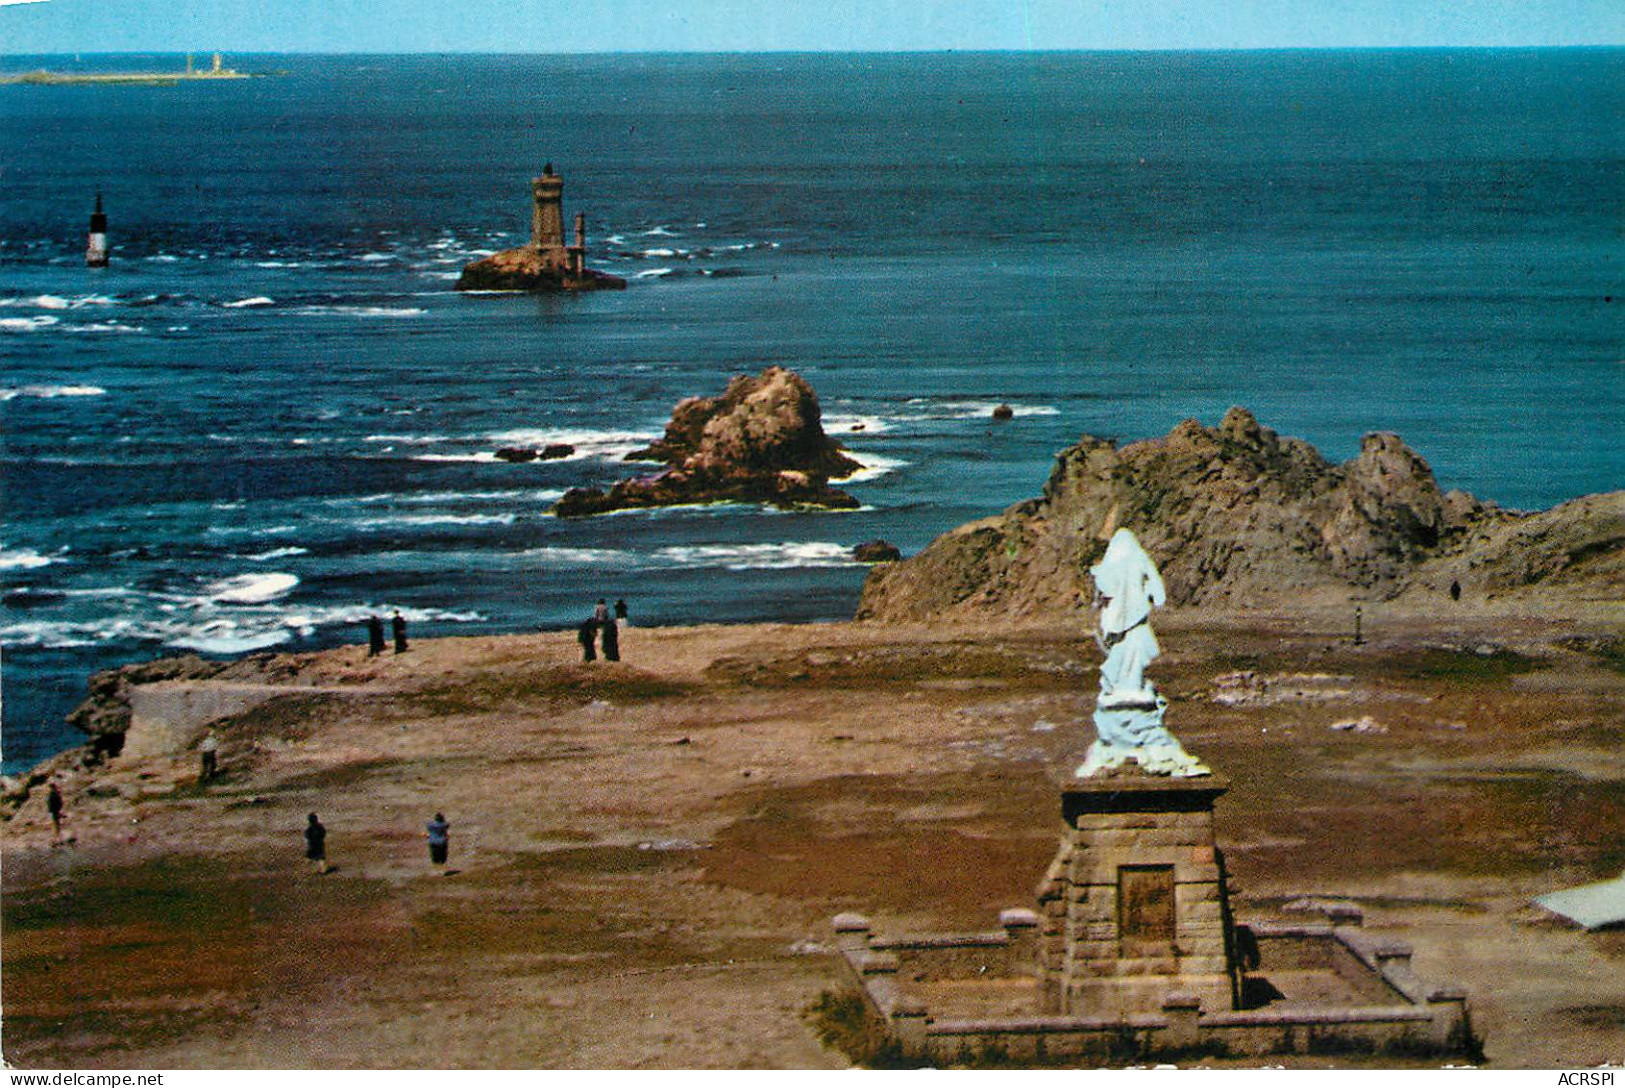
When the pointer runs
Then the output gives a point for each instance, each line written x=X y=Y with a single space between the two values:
x=375 y=634
x=602 y=626
x=437 y=831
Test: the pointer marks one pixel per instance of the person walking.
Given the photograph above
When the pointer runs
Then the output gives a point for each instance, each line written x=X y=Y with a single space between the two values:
x=375 y=636
x=612 y=640
x=209 y=750
x=587 y=634
x=397 y=627
x=316 y=844
x=439 y=834
x=53 y=805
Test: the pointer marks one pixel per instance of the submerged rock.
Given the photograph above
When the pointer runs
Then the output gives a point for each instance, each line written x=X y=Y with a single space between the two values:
x=876 y=551
x=515 y=455
x=762 y=440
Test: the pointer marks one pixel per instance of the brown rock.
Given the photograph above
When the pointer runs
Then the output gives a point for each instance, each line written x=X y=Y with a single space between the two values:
x=1004 y=413
x=1235 y=513
x=762 y=440
x=876 y=551
x=515 y=455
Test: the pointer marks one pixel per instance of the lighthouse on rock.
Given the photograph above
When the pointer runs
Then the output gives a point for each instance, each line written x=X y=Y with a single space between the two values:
x=96 y=247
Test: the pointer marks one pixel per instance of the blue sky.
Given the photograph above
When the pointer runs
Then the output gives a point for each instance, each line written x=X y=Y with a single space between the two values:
x=545 y=26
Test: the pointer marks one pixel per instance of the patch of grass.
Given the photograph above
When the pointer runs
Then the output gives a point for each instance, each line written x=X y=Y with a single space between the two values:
x=1046 y=665
x=843 y=1022
x=1464 y=666
x=487 y=691
x=1608 y=650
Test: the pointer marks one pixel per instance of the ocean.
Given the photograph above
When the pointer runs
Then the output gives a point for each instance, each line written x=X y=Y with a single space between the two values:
x=272 y=416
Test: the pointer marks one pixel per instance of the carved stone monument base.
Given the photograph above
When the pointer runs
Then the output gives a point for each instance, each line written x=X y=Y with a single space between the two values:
x=1135 y=906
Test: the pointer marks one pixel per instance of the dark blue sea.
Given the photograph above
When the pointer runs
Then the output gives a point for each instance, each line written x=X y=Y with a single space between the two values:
x=272 y=415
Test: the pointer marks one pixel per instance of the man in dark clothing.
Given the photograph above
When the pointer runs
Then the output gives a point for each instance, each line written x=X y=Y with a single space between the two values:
x=53 y=805
x=375 y=636
x=620 y=609
x=612 y=640
x=316 y=844
x=397 y=627
x=439 y=839
x=586 y=634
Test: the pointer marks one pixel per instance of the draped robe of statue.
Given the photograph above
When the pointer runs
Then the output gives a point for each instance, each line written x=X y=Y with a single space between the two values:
x=1128 y=710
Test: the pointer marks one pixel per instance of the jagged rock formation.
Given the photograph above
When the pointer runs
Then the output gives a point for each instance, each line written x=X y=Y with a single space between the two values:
x=1236 y=514
x=762 y=440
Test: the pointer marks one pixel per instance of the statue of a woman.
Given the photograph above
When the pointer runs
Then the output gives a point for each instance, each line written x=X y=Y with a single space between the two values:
x=1128 y=710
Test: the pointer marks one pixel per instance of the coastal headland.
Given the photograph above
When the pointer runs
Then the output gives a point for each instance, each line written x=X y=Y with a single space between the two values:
x=646 y=854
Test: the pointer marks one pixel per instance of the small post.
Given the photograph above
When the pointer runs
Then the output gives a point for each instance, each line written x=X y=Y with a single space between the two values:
x=96 y=244
x=851 y=932
x=1359 y=640
x=908 y=1022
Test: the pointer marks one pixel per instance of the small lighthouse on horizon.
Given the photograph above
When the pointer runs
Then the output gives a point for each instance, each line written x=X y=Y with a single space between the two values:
x=96 y=246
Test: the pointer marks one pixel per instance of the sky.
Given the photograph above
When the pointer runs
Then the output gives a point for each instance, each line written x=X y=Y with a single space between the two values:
x=581 y=26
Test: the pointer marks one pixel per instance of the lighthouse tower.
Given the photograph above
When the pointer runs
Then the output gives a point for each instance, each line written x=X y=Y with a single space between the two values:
x=547 y=218
x=96 y=246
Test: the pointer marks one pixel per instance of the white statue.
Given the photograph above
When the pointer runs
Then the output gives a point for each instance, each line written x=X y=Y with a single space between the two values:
x=1128 y=711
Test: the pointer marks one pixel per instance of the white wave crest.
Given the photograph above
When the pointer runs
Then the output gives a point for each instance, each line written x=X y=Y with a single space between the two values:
x=759 y=556
x=843 y=424
x=251 y=588
x=565 y=557
x=361 y=311
x=874 y=465
x=588 y=443
x=972 y=409
x=420 y=520
x=407 y=439
x=276 y=553
x=25 y=559
x=660 y=232
x=28 y=324
x=245 y=303
x=652 y=273
x=46 y=392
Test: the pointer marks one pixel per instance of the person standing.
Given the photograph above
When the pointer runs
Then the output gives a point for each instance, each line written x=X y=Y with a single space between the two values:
x=53 y=805
x=439 y=834
x=316 y=844
x=612 y=640
x=397 y=627
x=209 y=750
x=586 y=634
x=620 y=609
x=375 y=636
x=600 y=613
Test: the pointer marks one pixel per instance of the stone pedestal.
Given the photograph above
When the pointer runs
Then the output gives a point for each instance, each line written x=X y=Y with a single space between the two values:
x=1134 y=905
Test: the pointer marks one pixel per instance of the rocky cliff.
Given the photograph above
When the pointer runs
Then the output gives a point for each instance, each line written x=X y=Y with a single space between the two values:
x=762 y=440
x=1236 y=514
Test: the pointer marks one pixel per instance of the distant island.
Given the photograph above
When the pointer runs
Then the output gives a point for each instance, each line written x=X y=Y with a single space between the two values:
x=156 y=79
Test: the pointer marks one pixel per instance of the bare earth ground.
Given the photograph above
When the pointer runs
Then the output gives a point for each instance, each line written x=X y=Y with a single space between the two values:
x=647 y=854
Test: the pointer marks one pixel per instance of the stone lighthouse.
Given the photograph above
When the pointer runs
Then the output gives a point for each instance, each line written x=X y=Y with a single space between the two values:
x=547 y=216
x=546 y=263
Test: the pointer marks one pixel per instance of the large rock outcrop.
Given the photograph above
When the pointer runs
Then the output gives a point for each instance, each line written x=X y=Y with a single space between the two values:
x=762 y=440
x=532 y=268
x=1236 y=514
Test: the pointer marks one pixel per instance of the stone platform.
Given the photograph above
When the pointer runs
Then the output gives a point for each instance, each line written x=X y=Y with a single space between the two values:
x=1135 y=904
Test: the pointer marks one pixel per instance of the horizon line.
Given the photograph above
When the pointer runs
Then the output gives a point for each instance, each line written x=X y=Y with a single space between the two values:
x=1012 y=51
